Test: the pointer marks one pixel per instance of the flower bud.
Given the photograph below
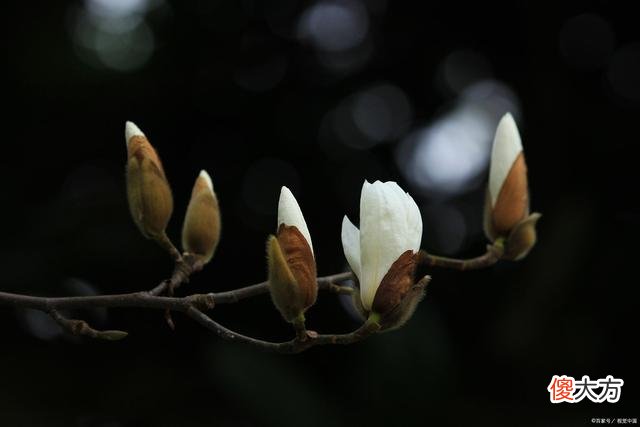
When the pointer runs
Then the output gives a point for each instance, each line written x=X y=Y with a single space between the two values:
x=201 y=229
x=383 y=253
x=508 y=190
x=507 y=200
x=292 y=267
x=292 y=273
x=149 y=194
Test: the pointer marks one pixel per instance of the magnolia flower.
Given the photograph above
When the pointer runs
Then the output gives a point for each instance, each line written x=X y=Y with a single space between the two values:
x=292 y=267
x=201 y=228
x=148 y=191
x=382 y=254
x=507 y=207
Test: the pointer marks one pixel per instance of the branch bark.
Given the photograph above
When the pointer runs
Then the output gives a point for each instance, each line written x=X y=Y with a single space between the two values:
x=195 y=305
x=296 y=345
x=152 y=299
x=489 y=258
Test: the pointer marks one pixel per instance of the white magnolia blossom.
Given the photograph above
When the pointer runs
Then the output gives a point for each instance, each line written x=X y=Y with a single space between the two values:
x=390 y=224
x=289 y=213
x=506 y=148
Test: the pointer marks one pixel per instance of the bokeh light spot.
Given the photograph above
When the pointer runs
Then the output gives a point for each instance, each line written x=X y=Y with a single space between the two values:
x=334 y=25
x=448 y=156
x=41 y=325
x=374 y=115
x=382 y=113
x=114 y=34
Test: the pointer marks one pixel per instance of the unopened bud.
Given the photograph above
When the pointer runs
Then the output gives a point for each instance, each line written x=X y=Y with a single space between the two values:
x=508 y=189
x=521 y=239
x=201 y=229
x=383 y=253
x=507 y=203
x=292 y=273
x=149 y=194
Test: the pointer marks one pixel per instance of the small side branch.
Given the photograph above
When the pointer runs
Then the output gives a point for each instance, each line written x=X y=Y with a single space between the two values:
x=185 y=266
x=489 y=258
x=326 y=283
x=296 y=345
x=80 y=327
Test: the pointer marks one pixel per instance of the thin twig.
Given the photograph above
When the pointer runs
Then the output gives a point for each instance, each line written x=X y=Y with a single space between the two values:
x=184 y=268
x=80 y=327
x=489 y=258
x=165 y=242
x=286 y=347
x=151 y=300
x=326 y=283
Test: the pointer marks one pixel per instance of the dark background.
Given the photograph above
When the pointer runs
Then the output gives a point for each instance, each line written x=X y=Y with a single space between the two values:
x=318 y=97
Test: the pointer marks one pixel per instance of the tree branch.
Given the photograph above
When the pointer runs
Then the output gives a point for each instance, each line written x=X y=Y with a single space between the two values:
x=288 y=347
x=150 y=299
x=80 y=327
x=193 y=305
x=489 y=258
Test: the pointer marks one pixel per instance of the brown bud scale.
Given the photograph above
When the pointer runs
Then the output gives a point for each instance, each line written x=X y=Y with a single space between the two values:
x=301 y=262
x=396 y=283
x=512 y=203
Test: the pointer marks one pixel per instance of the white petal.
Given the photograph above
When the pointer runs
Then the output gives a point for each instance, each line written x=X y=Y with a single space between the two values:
x=390 y=224
x=131 y=130
x=289 y=213
x=204 y=175
x=506 y=148
x=351 y=245
x=414 y=223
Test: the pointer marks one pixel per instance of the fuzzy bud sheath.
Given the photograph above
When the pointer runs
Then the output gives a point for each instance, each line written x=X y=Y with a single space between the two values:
x=149 y=194
x=292 y=273
x=201 y=228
